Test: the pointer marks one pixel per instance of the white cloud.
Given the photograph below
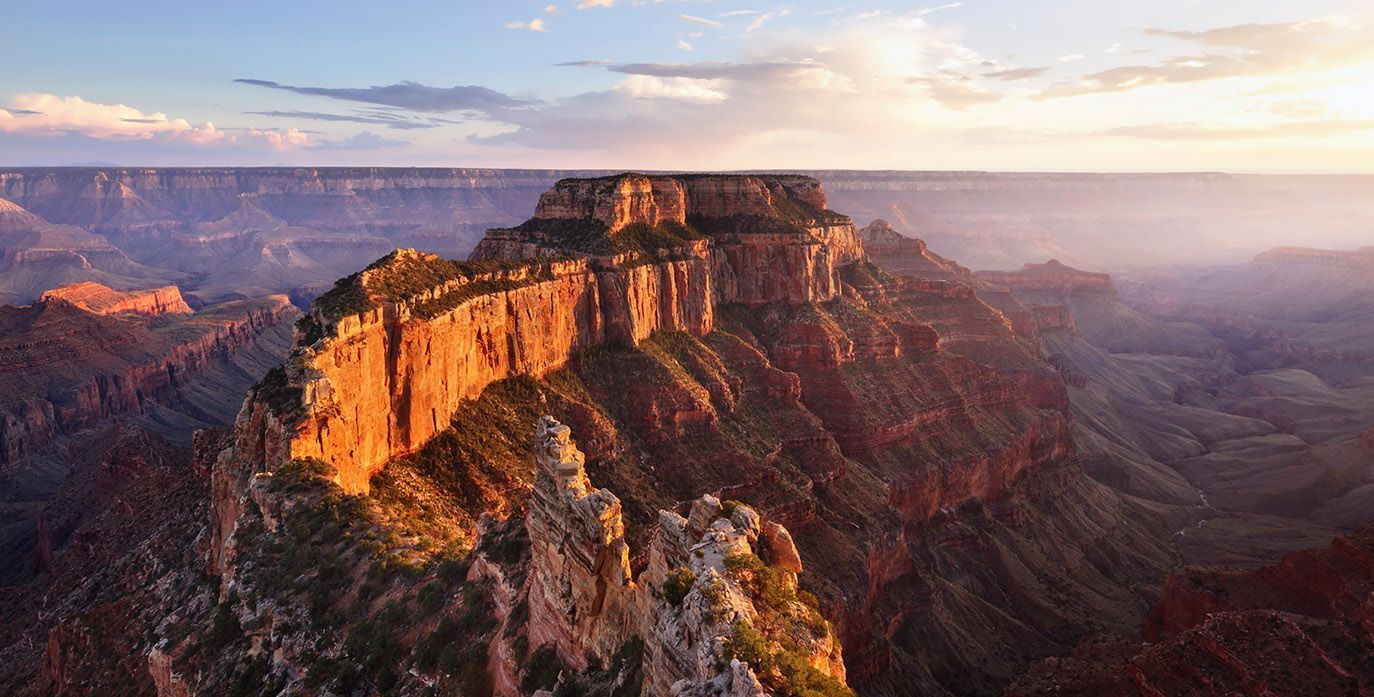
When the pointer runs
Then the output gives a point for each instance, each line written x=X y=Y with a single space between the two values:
x=700 y=21
x=678 y=88
x=585 y=4
x=765 y=18
x=551 y=9
x=536 y=24
x=682 y=44
x=50 y=114
x=1072 y=57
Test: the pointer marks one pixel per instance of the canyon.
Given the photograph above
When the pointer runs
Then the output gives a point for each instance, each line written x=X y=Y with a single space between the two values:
x=834 y=460
x=222 y=233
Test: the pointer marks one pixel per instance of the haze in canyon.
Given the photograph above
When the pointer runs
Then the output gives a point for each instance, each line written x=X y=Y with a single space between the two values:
x=687 y=349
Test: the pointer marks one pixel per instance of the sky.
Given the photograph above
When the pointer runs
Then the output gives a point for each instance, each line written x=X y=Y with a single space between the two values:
x=1052 y=85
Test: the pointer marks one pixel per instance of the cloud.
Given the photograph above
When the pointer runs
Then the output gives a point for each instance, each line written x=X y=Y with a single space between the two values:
x=581 y=64
x=379 y=118
x=585 y=4
x=765 y=18
x=1015 y=74
x=366 y=140
x=1245 y=50
x=700 y=21
x=956 y=92
x=551 y=9
x=947 y=6
x=1190 y=131
x=682 y=44
x=411 y=95
x=763 y=71
x=1072 y=57
x=46 y=115
x=536 y=24
x=680 y=88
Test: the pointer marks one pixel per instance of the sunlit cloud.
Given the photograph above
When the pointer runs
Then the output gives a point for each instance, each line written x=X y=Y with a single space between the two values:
x=536 y=24
x=1246 y=50
x=52 y=115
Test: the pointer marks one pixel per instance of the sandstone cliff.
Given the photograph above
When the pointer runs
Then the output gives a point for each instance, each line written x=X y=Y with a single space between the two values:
x=437 y=333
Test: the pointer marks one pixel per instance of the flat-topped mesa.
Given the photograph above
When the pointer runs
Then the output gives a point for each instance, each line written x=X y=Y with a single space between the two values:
x=1053 y=277
x=101 y=300
x=627 y=199
x=766 y=237
x=1361 y=259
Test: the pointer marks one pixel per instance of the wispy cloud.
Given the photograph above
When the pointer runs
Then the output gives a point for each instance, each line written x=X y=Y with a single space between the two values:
x=366 y=140
x=1014 y=74
x=381 y=118
x=700 y=21
x=411 y=95
x=765 y=18
x=759 y=71
x=1244 y=50
x=1187 y=131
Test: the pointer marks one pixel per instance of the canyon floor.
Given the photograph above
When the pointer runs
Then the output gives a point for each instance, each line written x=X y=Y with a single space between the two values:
x=677 y=435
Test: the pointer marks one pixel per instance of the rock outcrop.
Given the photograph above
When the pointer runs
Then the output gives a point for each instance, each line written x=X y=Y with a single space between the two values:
x=100 y=300
x=712 y=579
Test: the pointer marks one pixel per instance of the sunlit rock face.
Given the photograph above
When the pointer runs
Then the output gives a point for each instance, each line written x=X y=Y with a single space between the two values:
x=584 y=603
x=439 y=333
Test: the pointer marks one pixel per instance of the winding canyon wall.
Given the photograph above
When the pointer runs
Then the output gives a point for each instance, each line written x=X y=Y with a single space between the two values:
x=64 y=368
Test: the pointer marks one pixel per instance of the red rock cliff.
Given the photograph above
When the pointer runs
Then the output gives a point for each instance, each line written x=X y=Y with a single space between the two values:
x=397 y=348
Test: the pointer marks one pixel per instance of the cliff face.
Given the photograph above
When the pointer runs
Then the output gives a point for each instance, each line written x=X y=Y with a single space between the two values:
x=438 y=333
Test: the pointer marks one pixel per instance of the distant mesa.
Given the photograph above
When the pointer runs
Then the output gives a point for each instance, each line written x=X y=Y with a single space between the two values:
x=101 y=300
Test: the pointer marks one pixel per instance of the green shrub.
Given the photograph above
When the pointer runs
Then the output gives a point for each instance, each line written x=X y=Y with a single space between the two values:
x=542 y=670
x=678 y=584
